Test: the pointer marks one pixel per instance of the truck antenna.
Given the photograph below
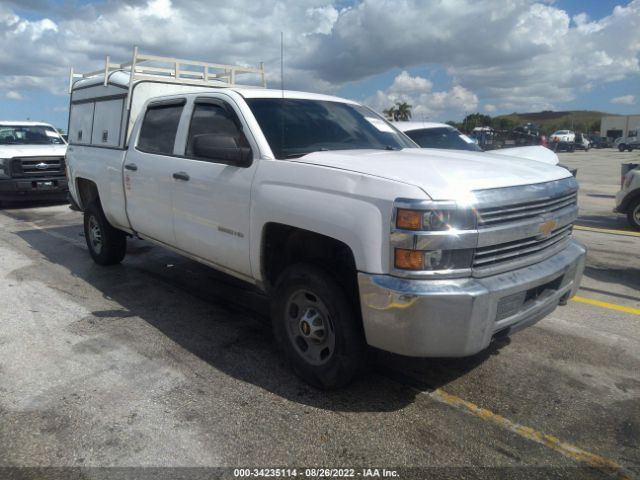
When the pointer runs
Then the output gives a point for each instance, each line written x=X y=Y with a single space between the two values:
x=282 y=90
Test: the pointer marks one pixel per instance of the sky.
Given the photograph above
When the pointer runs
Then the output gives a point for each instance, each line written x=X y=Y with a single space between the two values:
x=446 y=58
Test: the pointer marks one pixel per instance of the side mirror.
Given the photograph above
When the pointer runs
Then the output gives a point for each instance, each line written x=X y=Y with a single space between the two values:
x=221 y=148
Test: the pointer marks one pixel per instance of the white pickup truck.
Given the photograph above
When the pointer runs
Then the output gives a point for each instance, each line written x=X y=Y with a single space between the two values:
x=31 y=162
x=357 y=236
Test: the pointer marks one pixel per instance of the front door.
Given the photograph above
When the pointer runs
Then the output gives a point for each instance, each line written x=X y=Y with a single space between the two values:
x=211 y=206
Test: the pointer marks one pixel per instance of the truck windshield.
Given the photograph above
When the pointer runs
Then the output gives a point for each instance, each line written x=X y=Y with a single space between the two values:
x=296 y=127
x=29 y=135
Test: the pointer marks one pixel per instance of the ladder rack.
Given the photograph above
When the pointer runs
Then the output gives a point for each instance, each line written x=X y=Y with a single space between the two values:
x=171 y=70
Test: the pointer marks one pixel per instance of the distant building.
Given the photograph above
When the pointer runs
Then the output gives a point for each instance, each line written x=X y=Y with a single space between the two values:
x=618 y=126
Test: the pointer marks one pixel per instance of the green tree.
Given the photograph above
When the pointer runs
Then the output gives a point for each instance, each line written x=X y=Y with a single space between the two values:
x=503 y=123
x=595 y=126
x=390 y=112
x=403 y=111
x=476 y=120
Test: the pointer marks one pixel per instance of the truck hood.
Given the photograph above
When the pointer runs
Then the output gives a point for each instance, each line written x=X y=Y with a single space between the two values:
x=8 y=151
x=538 y=153
x=442 y=174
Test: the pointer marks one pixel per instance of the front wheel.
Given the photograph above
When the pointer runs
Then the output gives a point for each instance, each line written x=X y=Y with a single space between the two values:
x=317 y=327
x=622 y=147
x=107 y=245
x=633 y=214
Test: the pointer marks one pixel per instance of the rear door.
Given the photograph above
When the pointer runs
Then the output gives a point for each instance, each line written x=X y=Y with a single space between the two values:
x=149 y=170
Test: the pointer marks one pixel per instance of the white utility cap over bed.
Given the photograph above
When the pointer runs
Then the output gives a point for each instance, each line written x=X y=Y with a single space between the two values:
x=105 y=103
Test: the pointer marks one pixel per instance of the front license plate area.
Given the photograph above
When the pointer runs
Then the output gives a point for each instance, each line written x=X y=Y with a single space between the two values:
x=512 y=304
x=46 y=185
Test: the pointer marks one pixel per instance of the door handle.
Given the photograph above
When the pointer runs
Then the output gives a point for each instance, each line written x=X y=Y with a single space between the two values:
x=181 y=176
x=131 y=166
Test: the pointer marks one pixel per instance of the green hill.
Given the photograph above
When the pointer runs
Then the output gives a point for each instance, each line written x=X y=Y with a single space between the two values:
x=549 y=121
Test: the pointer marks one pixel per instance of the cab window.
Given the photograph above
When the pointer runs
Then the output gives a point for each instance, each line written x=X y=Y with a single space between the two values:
x=217 y=119
x=159 y=128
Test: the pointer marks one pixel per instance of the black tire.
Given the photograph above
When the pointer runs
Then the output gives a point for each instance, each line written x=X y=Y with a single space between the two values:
x=107 y=245
x=622 y=147
x=633 y=214
x=324 y=297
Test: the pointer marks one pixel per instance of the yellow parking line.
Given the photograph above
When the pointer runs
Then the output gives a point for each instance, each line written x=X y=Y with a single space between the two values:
x=607 y=230
x=571 y=451
x=610 y=306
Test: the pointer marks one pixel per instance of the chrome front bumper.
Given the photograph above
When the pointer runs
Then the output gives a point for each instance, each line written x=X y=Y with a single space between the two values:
x=459 y=317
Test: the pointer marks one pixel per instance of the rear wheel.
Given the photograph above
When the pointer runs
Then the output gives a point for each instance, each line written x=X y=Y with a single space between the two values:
x=622 y=147
x=107 y=245
x=633 y=214
x=317 y=327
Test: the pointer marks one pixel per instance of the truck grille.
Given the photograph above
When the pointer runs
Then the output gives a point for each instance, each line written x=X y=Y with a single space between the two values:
x=22 y=167
x=488 y=217
x=521 y=249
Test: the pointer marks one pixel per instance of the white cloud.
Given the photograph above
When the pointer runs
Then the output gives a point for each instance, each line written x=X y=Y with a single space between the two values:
x=426 y=104
x=624 y=100
x=517 y=54
x=405 y=83
x=13 y=95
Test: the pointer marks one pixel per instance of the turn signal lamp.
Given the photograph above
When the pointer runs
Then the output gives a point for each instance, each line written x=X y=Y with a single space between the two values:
x=409 y=259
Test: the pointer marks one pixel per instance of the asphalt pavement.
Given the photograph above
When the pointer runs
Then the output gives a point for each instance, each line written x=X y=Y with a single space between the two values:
x=161 y=363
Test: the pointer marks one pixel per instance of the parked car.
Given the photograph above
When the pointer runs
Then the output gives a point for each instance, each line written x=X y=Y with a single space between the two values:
x=628 y=198
x=631 y=141
x=31 y=162
x=346 y=225
x=582 y=142
x=562 y=140
x=437 y=135
x=599 y=142
x=441 y=135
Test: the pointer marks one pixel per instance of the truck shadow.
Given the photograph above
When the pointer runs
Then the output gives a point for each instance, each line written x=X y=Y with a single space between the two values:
x=220 y=320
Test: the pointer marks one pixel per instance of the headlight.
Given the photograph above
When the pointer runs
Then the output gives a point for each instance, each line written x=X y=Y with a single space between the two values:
x=435 y=220
x=433 y=237
x=430 y=260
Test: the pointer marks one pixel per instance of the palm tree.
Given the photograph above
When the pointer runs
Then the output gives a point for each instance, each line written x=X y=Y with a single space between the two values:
x=403 y=112
x=391 y=112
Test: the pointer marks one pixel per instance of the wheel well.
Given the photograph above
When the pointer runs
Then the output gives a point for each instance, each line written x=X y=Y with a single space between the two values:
x=87 y=191
x=630 y=198
x=283 y=245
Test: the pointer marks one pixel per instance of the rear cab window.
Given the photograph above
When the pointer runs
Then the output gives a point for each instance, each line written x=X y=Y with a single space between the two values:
x=160 y=126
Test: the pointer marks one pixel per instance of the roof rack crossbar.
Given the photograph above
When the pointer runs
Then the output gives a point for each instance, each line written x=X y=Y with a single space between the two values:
x=173 y=70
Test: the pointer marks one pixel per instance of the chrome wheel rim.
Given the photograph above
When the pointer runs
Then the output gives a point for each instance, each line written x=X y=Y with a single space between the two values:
x=95 y=235
x=310 y=328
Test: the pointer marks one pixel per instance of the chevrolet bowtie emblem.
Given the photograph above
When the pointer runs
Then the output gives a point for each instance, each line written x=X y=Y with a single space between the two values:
x=547 y=227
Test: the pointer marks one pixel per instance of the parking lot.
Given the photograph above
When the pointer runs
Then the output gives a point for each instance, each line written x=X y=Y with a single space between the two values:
x=162 y=362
